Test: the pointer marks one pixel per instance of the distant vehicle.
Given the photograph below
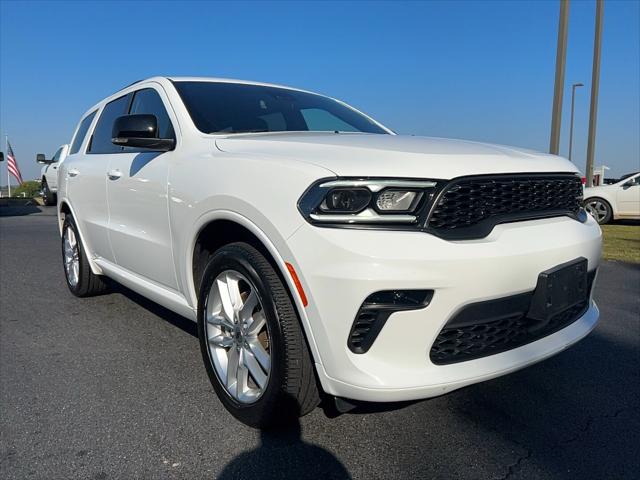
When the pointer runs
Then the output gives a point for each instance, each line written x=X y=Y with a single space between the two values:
x=49 y=174
x=612 y=202
x=318 y=251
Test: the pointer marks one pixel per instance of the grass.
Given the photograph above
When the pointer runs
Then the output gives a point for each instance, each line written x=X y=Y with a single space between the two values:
x=622 y=242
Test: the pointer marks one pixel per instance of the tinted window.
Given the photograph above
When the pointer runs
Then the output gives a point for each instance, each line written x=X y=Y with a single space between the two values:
x=633 y=181
x=102 y=134
x=56 y=157
x=149 y=102
x=237 y=108
x=81 y=133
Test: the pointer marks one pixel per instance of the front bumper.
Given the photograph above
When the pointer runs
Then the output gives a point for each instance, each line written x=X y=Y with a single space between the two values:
x=339 y=268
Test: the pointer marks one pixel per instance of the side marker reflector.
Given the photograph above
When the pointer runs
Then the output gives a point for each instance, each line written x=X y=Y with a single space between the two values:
x=296 y=282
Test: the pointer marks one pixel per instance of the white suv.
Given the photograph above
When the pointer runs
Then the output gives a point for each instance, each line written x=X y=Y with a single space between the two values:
x=320 y=252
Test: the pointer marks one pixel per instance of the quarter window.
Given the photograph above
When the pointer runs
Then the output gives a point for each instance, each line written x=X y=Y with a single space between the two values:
x=102 y=134
x=81 y=133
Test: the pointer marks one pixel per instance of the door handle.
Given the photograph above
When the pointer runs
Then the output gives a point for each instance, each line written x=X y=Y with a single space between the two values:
x=114 y=174
x=73 y=172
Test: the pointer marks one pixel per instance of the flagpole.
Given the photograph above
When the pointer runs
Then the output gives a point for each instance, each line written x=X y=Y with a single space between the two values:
x=6 y=142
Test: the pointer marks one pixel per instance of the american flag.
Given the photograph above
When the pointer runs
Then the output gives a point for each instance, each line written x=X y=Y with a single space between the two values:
x=12 y=165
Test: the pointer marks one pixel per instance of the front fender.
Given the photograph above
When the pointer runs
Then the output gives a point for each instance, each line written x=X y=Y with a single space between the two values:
x=274 y=243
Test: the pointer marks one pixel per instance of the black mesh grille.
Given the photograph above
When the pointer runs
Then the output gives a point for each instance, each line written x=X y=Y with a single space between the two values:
x=483 y=339
x=458 y=342
x=471 y=207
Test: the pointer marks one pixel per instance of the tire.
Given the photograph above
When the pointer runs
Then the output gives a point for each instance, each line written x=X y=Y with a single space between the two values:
x=82 y=282
x=599 y=209
x=48 y=197
x=290 y=389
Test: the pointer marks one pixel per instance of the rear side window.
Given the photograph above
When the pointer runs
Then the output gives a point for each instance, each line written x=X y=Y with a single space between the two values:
x=148 y=101
x=102 y=134
x=81 y=133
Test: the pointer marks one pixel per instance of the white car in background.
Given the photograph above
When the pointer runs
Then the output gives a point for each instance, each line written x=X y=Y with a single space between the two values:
x=49 y=174
x=617 y=201
x=318 y=251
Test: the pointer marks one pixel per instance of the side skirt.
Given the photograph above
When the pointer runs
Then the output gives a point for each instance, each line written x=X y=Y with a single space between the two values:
x=168 y=298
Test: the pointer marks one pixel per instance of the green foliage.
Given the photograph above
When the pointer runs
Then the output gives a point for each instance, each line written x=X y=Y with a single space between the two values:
x=30 y=188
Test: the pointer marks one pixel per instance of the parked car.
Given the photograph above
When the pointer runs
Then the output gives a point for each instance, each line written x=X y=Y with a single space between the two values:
x=49 y=174
x=613 y=202
x=319 y=252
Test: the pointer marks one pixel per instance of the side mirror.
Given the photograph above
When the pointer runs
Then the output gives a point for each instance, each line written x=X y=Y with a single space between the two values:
x=141 y=131
x=1 y=156
x=40 y=158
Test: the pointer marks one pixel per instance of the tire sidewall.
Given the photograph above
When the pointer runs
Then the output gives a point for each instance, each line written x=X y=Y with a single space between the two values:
x=69 y=223
x=239 y=260
x=609 y=214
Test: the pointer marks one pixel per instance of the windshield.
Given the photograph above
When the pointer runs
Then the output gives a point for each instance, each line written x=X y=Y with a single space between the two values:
x=217 y=107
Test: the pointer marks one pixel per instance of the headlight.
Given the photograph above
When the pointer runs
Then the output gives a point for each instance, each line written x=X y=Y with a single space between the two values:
x=346 y=200
x=392 y=200
x=367 y=201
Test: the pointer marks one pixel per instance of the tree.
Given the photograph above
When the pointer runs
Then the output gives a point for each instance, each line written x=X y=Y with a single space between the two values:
x=30 y=188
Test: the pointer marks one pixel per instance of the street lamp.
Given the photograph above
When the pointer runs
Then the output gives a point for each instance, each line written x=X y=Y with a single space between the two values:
x=573 y=94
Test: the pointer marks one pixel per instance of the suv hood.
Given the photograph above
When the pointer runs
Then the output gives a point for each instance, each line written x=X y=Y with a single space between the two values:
x=374 y=155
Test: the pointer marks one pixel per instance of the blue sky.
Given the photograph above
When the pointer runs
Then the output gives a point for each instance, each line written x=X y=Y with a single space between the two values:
x=476 y=70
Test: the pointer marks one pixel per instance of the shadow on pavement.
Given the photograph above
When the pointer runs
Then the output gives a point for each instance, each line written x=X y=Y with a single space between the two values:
x=167 y=315
x=283 y=453
x=19 y=210
x=627 y=222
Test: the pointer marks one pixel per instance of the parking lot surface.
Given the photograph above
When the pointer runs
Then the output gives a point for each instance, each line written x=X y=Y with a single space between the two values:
x=114 y=387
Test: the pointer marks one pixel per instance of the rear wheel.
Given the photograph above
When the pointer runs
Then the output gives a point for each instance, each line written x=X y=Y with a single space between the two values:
x=599 y=209
x=48 y=197
x=252 y=345
x=82 y=282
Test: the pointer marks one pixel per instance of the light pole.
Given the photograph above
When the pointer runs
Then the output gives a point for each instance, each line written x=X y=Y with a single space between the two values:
x=558 y=87
x=595 y=84
x=573 y=96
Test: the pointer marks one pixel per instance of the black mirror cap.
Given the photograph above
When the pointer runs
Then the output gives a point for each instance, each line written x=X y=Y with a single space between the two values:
x=40 y=158
x=1 y=156
x=139 y=130
x=135 y=126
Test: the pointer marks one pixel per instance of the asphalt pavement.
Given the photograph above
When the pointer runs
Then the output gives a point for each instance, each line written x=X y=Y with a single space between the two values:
x=113 y=387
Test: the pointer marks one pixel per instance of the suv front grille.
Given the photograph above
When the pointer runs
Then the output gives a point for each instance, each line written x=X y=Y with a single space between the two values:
x=470 y=207
x=486 y=328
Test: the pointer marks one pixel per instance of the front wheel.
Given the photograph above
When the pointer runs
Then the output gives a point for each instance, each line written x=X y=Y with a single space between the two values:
x=251 y=341
x=599 y=209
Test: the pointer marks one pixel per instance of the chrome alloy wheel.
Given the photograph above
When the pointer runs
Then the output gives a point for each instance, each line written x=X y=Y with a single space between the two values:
x=238 y=336
x=71 y=256
x=597 y=209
